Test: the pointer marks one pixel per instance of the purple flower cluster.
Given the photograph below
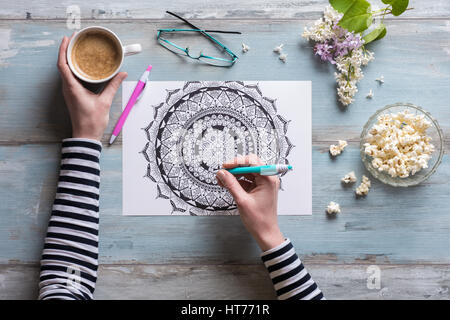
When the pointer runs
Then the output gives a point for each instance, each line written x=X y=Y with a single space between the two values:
x=341 y=43
x=324 y=51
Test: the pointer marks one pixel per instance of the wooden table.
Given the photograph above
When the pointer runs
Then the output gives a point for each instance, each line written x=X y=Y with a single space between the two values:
x=405 y=232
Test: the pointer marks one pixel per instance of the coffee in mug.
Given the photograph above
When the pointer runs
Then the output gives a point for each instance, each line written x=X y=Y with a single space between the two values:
x=95 y=54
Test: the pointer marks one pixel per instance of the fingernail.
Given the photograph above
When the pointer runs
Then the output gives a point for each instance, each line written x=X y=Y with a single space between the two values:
x=221 y=176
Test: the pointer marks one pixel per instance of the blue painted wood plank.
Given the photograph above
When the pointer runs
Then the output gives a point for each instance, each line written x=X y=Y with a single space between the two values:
x=416 y=69
x=196 y=9
x=388 y=226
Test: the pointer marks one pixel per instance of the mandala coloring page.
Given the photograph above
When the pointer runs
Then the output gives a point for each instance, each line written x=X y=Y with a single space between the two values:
x=190 y=132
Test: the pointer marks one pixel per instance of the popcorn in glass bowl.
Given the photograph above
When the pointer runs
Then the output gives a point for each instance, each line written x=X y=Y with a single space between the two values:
x=401 y=145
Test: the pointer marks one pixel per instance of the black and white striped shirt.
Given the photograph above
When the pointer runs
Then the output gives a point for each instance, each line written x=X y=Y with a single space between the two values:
x=290 y=278
x=70 y=256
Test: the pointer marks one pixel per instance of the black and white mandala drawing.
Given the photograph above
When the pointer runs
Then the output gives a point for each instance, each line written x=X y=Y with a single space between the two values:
x=202 y=125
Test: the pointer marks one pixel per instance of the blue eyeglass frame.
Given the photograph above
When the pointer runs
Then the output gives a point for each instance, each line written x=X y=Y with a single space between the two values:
x=205 y=33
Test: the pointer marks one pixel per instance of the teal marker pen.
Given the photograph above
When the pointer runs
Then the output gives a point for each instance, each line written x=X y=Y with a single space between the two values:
x=268 y=170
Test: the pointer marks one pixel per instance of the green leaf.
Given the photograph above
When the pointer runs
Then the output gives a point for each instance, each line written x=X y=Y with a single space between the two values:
x=357 y=23
x=382 y=34
x=357 y=14
x=376 y=34
x=341 y=5
x=398 y=6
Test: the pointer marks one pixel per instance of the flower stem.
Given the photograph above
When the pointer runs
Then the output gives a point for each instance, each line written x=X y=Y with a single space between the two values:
x=385 y=11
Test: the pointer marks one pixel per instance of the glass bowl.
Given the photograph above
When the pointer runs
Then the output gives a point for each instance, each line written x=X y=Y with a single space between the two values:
x=434 y=131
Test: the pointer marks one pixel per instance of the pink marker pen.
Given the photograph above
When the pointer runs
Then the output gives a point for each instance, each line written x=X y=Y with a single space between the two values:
x=134 y=97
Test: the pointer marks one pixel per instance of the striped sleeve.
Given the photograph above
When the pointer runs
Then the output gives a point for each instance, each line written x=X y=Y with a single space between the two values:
x=289 y=277
x=70 y=257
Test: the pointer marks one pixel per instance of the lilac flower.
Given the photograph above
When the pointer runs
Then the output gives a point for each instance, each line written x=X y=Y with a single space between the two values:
x=323 y=51
x=342 y=48
x=338 y=31
x=345 y=42
x=352 y=41
x=341 y=43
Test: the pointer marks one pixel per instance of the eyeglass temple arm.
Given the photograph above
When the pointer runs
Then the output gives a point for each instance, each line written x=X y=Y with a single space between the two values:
x=221 y=31
x=191 y=25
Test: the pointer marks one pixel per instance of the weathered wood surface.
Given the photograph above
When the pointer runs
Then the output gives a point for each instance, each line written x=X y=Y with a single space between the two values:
x=30 y=48
x=199 y=9
x=239 y=282
x=152 y=256
x=389 y=226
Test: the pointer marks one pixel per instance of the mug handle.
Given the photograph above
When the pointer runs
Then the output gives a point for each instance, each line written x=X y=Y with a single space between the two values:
x=132 y=49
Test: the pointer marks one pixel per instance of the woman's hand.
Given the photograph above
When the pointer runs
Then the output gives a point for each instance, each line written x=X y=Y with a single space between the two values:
x=89 y=112
x=256 y=198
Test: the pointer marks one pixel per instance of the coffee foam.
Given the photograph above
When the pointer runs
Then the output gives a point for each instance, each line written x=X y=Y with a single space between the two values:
x=96 y=55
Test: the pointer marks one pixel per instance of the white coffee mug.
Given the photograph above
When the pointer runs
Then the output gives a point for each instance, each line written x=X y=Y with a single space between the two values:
x=126 y=51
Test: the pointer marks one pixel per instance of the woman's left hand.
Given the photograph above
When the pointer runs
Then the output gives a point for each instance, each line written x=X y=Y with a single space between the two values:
x=89 y=112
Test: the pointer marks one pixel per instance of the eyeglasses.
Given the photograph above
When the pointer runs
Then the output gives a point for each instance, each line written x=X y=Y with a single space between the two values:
x=215 y=61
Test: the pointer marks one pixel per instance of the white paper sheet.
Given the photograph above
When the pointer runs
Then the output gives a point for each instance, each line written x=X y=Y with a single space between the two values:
x=140 y=193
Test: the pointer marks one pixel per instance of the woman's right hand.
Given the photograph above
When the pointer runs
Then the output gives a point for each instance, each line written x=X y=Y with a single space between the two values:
x=257 y=199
